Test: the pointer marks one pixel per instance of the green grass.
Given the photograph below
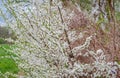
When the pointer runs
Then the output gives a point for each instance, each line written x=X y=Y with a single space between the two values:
x=7 y=64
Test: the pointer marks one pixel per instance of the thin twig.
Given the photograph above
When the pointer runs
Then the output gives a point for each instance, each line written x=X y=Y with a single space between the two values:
x=66 y=35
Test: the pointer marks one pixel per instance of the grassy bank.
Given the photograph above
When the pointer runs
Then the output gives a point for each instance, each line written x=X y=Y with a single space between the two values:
x=7 y=64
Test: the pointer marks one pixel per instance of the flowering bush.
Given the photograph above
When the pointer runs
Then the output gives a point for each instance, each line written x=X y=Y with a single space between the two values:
x=46 y=46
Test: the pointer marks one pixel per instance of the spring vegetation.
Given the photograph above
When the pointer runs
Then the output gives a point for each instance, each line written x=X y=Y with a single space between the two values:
x=63 y=39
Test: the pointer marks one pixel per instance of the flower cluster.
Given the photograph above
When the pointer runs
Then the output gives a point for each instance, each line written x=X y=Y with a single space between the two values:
x=43 y=53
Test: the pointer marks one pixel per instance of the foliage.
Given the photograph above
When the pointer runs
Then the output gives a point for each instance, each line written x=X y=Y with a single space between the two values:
x=6 y=32
x=2 y=41
x=7 y=64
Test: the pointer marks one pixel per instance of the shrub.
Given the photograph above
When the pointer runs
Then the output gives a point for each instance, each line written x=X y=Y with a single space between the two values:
x=47 y=48
x=2 y=41
x=6 y=32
